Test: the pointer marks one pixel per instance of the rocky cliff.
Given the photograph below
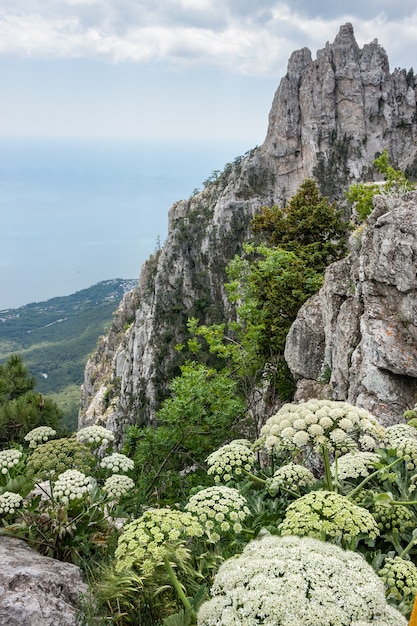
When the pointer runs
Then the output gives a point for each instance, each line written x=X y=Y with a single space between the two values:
x=361 y=328
x=329 y=119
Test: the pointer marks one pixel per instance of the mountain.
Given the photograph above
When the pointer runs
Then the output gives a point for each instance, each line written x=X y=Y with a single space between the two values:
x=331 y=116
x=56 y=337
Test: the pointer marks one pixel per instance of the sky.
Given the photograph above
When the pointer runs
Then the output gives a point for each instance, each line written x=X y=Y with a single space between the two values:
x=190 y=69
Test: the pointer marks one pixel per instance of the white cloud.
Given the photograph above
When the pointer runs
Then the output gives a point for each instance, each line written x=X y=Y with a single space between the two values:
x=232 y=35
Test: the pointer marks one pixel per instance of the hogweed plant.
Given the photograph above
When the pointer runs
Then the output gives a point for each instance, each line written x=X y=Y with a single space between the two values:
x=220 y=510
x=330 y=516
x=95 y=436
x=117 y=463
x=400 y=579
x=233 y=461
x=325 y=427
x=64 y=509
x=292 y=581
x=39 y=435
x=156 y=541
x=292 y=479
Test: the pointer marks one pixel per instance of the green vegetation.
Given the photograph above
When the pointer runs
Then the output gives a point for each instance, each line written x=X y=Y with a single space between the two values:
x=396 y=182
x=21 y=408
x=253 y=504
x=56 y=337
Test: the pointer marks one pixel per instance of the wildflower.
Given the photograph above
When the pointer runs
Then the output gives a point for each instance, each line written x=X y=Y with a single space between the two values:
x=389 y=518
x=39 y=435
x=52 y=458
x=325 y=514
x=317 y=423
x=8 y=460
x=95 y=436
x=118 y=485
x=354 y=465
x=157 y=534
x=403 y=439
x=230 y=461
x=400 y=579
x=9 y=502
x=72 y=485
x=219 y=510
x=117 y=463
x=291 y=476
x=292 y=581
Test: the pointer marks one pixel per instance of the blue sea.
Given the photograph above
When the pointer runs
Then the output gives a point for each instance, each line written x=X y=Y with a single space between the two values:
x=75 y=212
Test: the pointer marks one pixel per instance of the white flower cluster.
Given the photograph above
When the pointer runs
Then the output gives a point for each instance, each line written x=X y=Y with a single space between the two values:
x=321 y=423
x=230 y=461
x=117 y=463
x=159 y=533
x=291 y=581
x=8 y=459
x=118 y=485
x=220 y=510
x=291 y=476
x=9 y=502
x=354 y=465
x=403 y=439
x=39 y=435
x=72 y=485
x=95 y=435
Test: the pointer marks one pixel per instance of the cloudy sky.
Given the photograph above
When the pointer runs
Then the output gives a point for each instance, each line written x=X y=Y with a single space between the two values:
x=170 y=68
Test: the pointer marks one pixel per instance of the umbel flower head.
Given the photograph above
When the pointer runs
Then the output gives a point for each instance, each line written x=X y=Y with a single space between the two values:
x=52 y=458
x=39 y=435
x=297 y=582
x=9 y=503
x=403 y=439
x=220 y=510
x=158 y=534
x=400 y=579
x=230 y=461
x=8 y=460
x=117 y=463
x=95 y=436
x=354 y=465
x=388 y=518
x=291 y=476
x=72 y=485
x=321 y=423
x=118 y=485
x=327 y=515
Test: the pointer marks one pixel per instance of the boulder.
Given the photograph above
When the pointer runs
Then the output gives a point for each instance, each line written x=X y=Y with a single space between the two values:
x=36 y=590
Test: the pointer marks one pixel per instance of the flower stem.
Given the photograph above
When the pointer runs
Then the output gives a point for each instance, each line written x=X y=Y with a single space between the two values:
x=328 y=474
x=178 y=588
x=254 y=478
x=368 y=478
x=408 y=548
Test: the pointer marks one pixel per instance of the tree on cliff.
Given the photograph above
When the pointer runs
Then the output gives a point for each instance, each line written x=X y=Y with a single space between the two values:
x=21 y=407
x=271 y=280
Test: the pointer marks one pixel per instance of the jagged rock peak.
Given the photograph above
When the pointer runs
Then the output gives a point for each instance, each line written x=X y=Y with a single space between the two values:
x=331 y=115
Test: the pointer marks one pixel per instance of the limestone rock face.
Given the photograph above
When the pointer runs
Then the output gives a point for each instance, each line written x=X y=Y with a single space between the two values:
x=331 y=116
x=362 y=324
x=36 y=590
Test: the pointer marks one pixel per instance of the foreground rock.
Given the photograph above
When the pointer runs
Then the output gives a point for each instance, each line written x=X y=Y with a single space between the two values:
x=362 y=325
x=36 y=590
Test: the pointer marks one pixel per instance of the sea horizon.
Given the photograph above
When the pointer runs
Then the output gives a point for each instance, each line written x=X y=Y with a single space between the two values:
x=78 y=211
